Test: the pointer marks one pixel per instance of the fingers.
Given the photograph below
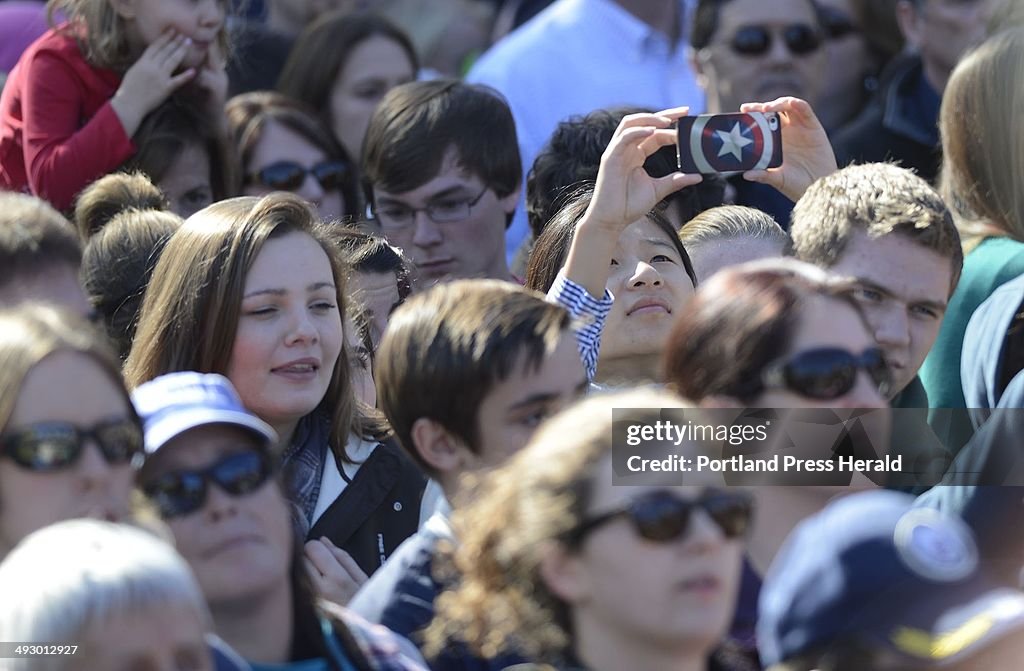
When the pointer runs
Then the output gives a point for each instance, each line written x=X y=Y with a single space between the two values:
x=669 y=184
x=164 y=43
x=662 y=119
x=179 y=80
x=320 y=557
x=345 y=560
x=658 y=139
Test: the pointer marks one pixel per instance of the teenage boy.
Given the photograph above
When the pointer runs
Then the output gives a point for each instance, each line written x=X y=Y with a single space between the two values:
x=442 y=167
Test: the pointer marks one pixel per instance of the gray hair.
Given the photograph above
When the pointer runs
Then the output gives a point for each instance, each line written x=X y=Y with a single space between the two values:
x=64 y=578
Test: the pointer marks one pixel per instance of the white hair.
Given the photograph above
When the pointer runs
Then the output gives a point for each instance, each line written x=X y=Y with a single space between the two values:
x=64 y=578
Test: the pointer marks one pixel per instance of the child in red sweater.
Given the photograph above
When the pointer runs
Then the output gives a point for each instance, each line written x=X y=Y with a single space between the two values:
x=79 y=93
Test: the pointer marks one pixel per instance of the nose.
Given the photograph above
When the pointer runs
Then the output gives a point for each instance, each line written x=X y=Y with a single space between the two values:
x=865 y=394
x=311 y=190
x=219 y=504
x=213 y=13
x=302 y=328
x=704 y=535
x=779 y=52
x=93 y=469
x=892 y=328
x=426 y=233
x=644 y=275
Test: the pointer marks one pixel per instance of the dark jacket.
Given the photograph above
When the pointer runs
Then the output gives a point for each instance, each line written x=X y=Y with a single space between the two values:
x=900 y=124
x=378 y=510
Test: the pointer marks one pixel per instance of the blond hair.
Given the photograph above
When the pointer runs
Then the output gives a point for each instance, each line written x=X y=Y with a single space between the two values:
x=501 y=602
x=102 y=33
x=983 y=139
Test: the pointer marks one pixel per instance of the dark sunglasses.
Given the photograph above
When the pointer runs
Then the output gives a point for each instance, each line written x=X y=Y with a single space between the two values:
x=289 y=176
x=835 y=23
x=800 y=39
x=52 y=446
x=184 y=492
x=661 y=516
x=828 y=373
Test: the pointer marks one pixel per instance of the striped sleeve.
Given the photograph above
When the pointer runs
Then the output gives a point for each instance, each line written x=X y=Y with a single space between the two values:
x=589 y=315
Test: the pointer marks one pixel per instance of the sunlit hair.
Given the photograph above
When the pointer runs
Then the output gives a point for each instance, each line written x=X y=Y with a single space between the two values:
x=34 y=239
x=116 y=571
x=513 y=516
x=190 y=313
x=742 y=319
x=730 y=222
x=30 y=333
x=112 y=194
x=102 y=33
x=983 y=139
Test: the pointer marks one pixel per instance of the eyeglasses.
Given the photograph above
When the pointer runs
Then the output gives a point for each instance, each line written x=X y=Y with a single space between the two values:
x=53 y=446
x=800 y=39
x=289 y=176
x=661 y=516
x=828 y=373
x=395 y=216
x=836 y=24
x=184 y=492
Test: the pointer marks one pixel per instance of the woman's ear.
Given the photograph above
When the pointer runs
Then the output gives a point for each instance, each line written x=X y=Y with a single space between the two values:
x=563 y=573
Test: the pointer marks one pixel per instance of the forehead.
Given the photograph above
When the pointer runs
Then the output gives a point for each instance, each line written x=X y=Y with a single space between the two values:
x=906 y=269
x=297 y=251
x=737 y=13
x=644 y=232
x=450 y=176
x=278 y=142
x=375 y=56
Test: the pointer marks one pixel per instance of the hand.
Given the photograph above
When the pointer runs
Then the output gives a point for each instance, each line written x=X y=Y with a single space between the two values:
x=151 y=79
x=335 y=575
x=213 y=81
x=807 y=153
x=624 y=192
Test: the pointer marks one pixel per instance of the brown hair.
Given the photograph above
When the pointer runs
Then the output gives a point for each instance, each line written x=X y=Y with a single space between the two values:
x=34 y=238
x=741 y=320
x=311 y=70
x=445 y=349
x=102 y=34
x=877 y=199
x=248 y=115
x=729 y=222
x=117 y=265
x=538 y=497
x=416 y=124
x=112 y=194
x=552 y=247
x=168 y=131
x=190 y=313
x=30 y=333
x=367 y=253
x=983 y=139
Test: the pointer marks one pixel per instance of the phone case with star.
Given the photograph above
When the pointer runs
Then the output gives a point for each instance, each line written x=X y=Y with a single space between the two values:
x=729 y=144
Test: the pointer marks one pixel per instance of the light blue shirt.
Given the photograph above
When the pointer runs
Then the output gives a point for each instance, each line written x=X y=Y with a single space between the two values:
x=575 y=57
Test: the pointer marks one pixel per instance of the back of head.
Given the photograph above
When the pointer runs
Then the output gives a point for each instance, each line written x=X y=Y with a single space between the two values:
x=1008 y=14
x=983 y=139
x=34 y=239
x=417 y=125
x=738 y=322
x=118 y=571
x=117 y=264
x=729 y=222
x=877 y=199
x=111 y=194
x=367 y=253
x=446 y=348
x=572 y=155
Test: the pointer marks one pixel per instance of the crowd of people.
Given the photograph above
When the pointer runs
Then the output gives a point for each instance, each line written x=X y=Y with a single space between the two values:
x=320 y=322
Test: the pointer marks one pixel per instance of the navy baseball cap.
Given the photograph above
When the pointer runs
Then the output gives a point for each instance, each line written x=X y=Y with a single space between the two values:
x=874 y=571
x=174 y=403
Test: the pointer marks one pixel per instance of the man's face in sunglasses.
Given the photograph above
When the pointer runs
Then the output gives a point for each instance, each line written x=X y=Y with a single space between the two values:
x=52 y=467
x=228 y=516
x=761 y=51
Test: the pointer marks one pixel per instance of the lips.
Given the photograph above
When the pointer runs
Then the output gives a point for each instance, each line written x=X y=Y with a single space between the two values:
x=649 y=306
x=231 y=543
x=706 y=585
x=299 y=370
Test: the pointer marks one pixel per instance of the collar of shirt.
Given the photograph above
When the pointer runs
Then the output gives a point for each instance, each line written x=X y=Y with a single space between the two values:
x=643 y=40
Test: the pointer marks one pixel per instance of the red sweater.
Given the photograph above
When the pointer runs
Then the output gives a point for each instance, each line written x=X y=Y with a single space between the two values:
x=58 y=131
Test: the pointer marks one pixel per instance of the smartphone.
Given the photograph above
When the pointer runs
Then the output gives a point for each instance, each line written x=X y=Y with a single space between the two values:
x=729 y=144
